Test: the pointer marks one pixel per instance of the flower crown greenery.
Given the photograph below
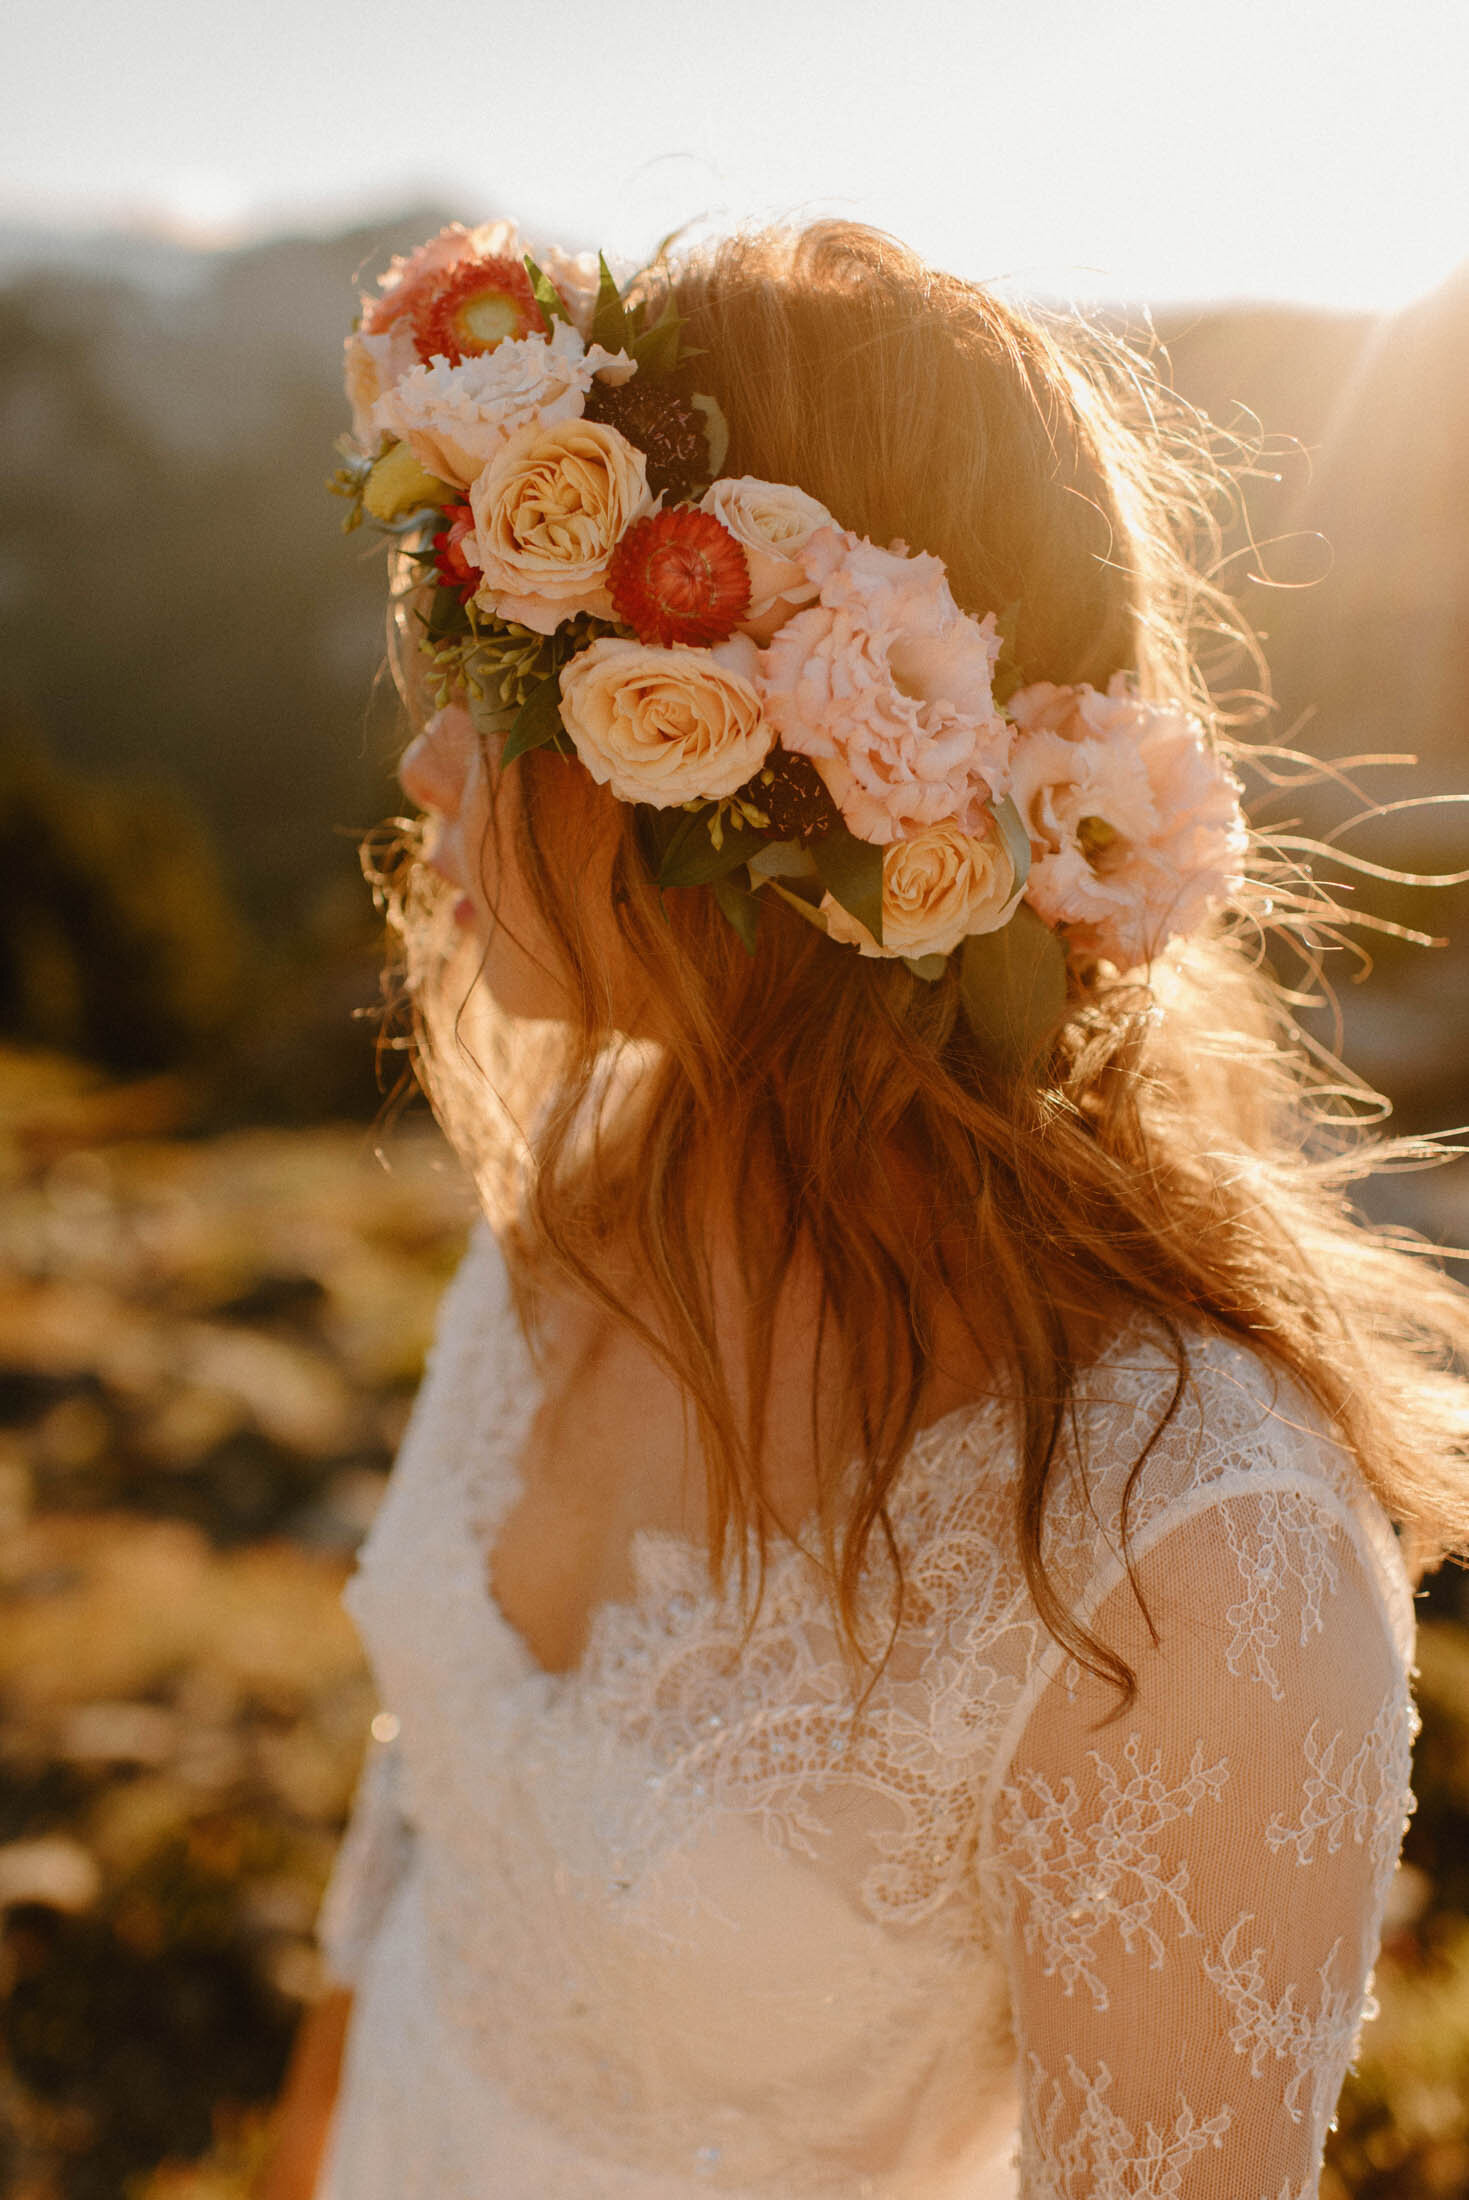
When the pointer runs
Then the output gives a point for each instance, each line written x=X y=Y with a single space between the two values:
x=795 y=713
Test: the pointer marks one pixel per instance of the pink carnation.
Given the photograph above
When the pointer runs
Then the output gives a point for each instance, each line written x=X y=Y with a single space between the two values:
x=885 y=685
x=383 y=350
x=411 y=282
x=1135 y=825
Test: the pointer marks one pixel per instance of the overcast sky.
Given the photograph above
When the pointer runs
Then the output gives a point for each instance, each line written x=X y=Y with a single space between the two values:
x=1131 y=148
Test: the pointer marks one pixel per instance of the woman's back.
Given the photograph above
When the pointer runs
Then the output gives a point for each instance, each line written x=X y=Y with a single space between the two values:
x=677 y=1919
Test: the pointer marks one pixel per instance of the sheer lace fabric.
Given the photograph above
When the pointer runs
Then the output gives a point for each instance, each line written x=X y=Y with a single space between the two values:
x=678 y=1922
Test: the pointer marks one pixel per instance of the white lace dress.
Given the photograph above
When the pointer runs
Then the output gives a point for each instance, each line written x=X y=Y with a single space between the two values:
x=675 y=1923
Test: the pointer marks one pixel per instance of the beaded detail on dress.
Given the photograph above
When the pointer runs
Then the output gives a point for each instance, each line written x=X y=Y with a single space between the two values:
x=678 y=1922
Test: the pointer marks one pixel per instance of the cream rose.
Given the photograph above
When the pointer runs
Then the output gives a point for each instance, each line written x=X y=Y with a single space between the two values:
x=938 y=887
x=772 y=523
x=665 y=726
x=548 y=511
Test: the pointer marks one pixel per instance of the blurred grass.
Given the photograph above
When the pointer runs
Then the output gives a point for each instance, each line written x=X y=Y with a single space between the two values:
x=208 y=1348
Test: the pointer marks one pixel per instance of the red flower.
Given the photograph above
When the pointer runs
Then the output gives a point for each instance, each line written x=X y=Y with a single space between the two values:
x=453 y=567
x=679 y=577
x=482 y=302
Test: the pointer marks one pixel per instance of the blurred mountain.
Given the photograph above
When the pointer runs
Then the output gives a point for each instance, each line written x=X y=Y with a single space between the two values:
x=175 y=598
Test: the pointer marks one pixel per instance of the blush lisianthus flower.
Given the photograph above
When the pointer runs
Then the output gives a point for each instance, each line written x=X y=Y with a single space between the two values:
x=549 y=510
x=886 y=685
x=458 y=418
x=1135 y=824
x=665 y=726
x=772 y=523
x=938 y=887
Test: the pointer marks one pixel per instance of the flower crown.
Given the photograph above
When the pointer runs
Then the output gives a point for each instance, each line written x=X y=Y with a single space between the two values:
x=794 y=711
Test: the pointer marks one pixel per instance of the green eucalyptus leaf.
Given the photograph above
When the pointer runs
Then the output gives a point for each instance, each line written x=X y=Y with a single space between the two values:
x=741 y=907
x=716 y=431
x=689 y=857
x=537 y=723
x=656 y=830
x=547 y=296
x=446 y=615
x=656 y=349
x=803 y=908
x=490 y=717
x=928 y=967
x=609 y=315
x=1011 y=828
x=1013 y=986
x=851 y=872
x=783 y=859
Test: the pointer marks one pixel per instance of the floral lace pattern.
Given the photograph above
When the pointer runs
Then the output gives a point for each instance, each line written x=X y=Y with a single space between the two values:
x=1075 y=1878
x=679 y=1921
x=1098 y=2154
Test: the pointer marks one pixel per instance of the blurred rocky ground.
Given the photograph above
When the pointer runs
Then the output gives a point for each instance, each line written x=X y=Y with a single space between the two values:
x=207 y=1354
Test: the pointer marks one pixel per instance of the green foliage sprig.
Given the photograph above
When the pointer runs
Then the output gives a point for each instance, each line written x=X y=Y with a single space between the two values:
x=499 y=666
x=350 y=481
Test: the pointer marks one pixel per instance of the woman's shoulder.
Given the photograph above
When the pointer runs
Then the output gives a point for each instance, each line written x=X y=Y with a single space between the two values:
x=1199 y=1407
x=1177 y=1424
x=1167 y=1422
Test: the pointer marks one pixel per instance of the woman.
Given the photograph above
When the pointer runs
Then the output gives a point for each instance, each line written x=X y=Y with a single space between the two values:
x=895 y=1656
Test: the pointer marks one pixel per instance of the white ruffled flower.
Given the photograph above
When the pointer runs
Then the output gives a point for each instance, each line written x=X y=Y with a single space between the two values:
x=457 y=419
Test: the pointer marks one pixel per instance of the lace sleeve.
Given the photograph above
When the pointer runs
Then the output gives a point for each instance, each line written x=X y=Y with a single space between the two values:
x=1191 y=1894
x=368 y=1867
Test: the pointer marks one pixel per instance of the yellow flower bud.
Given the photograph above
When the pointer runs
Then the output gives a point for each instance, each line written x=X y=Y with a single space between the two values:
x=398 y=484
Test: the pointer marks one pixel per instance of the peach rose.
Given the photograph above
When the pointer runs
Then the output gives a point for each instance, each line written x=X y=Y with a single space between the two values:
x=548 y=511
x=938 y=887
x=665 y=726
x=1135 y=825
x=772 y=523
x=458 y=418
x=885 y=685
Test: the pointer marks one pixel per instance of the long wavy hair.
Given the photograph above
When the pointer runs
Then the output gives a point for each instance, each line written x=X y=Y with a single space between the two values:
x=1172 y=1155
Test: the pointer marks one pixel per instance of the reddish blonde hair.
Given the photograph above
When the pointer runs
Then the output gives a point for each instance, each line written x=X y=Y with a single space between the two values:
x=1168 y=1157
